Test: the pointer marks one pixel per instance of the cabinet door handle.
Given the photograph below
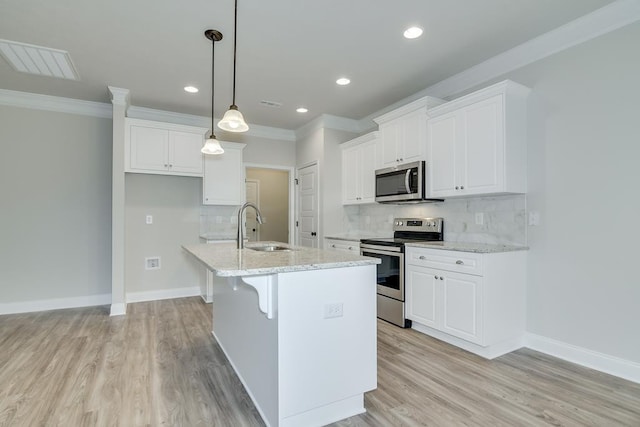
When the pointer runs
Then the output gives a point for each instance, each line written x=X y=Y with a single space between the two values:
x=333 y=246
x=462 y=187
x=459 y=262
x=313 y=233
x=435 y=277
x=457 y=188
x=350 y=248
x=166 y=165
x=422 y=257
x=441 y=278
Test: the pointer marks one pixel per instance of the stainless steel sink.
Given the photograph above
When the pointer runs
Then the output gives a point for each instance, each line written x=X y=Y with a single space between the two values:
x=269 y=248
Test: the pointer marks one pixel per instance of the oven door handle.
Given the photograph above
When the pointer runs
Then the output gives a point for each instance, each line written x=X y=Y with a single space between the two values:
x=379 y=252
x=407 y=181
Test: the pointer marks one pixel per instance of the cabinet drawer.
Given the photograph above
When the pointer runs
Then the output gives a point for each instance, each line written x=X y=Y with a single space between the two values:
x=342 y=245
x=459 y=262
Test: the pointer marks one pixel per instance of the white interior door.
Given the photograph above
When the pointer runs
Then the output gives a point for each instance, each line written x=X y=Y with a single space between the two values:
x=253 y=196
x=308 y=206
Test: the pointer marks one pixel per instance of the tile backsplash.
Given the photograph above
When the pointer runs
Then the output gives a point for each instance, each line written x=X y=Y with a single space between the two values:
x=503 y=217
x=219 y=220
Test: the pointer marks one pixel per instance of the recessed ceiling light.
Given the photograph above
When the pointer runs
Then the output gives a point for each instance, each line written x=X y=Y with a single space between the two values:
x=191 y=89
x=301 y=110
x=413 y=32
x=343 y=81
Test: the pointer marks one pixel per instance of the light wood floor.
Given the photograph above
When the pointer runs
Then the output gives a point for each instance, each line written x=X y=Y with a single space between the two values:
x=159 y=365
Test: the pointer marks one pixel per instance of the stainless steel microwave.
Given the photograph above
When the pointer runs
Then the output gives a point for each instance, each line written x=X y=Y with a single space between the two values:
x=402 y=184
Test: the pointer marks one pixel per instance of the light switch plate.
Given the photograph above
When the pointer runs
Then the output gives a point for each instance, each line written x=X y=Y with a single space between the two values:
x=479 y=218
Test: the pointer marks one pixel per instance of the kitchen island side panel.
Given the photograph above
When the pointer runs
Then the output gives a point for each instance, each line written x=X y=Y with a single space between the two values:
x=325 y=360
x=250 y=342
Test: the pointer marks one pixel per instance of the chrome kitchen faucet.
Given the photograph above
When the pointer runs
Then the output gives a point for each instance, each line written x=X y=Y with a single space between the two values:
x=240 y=244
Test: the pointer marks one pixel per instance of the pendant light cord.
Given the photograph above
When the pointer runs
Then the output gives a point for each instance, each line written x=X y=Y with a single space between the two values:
x=235 y=39
x=213 y=48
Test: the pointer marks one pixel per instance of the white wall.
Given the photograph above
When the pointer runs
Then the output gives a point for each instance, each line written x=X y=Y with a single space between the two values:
x=584 y=148
x=264 y=151
x=55 y=208
x=174 y=203
x=323 y=145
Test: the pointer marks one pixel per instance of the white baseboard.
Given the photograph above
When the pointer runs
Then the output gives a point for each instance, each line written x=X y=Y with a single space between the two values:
x=54 y=304
x=163 y=294
x=616 y=366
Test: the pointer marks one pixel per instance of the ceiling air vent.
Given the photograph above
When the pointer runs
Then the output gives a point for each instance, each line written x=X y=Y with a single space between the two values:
x=38 y=60
x=272 y=104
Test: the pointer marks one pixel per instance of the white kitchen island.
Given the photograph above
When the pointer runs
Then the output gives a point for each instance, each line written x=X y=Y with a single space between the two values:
x=299 y=328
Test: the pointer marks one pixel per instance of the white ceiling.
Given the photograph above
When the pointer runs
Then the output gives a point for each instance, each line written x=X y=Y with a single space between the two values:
x=289 y=51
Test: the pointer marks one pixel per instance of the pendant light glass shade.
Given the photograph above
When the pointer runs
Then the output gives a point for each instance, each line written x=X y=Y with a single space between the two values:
x=212 y=146
x=232 y=121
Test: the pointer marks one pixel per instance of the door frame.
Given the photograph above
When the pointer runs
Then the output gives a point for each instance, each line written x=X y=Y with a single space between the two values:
x=293 y=232
x=318 y=192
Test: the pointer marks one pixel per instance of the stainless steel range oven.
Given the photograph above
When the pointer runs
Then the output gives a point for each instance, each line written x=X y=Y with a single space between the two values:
x=390 y=272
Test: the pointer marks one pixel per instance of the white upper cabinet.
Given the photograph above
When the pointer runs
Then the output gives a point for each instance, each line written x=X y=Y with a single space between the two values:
x=476 y=144
x=358 y=169
x=163 y=148
x=403 y=133
x=223 y=182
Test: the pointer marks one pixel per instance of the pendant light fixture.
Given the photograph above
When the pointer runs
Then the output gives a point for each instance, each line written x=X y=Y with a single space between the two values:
x=212 y=146
x=232 y=121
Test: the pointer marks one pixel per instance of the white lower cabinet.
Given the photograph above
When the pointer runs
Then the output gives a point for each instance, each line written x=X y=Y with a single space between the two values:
x=446 y=301
x=223 y=181
x=342 y=245
x=472 y=300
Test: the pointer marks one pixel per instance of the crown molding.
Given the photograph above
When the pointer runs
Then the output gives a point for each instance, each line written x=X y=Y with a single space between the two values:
x=327 y=121
x=371 y=136
x=120 y=96
x=58 y=104
x=257 y=131
x=425 y=103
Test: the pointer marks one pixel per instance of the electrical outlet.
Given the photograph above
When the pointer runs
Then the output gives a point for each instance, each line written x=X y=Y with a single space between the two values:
x=152 y=263
x=333 y=310
x=149 y=219
x=479 y=218
x=534 y=218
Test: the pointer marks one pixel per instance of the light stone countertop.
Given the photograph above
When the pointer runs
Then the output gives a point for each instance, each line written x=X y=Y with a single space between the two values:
x=356 y=236
x=483 y=248
x=218 y=236
x=227 y=261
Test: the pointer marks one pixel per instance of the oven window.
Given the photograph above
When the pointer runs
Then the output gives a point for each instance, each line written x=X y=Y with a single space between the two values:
x=388 y=271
